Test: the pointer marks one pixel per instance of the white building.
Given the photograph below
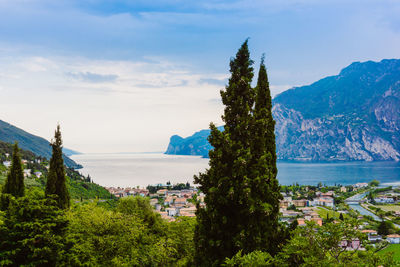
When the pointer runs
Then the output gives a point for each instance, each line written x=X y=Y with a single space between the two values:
x=323 y=202
x=393 y=239
x=7 y=163
x=384 y=200
x=27 y=173
x=171 y=211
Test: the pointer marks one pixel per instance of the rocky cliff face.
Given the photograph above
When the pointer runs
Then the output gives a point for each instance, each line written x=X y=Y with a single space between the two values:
x=331 y=139
x=351 y=116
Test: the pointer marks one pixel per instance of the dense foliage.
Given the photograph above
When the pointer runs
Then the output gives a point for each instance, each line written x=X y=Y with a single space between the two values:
x=154 y=188
x=312 y=245
x=33 y=231
x=242 y=193
x=14 y=184
x=56 y=179
x=30 y=142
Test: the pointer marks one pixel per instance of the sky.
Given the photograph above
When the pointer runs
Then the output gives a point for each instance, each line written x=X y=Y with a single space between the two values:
x=124 y=76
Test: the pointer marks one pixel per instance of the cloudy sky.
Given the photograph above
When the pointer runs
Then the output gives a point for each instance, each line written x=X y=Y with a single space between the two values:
x=123 y=76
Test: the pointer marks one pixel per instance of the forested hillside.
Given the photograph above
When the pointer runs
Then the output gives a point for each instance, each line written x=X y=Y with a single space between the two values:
x=36 y=144
x=79 y=186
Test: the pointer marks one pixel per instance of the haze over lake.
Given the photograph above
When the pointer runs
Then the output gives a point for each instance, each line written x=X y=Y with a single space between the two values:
x=142 y=169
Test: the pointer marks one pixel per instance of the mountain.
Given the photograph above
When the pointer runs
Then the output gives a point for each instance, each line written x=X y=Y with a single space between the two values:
x=79 y=187
x=196 y=144
x=354 y=115
x=36 y=144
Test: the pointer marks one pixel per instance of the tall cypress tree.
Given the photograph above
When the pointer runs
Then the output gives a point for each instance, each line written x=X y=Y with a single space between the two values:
x=14 y=184
x=56 y=179
x=242 y=192
x=263 y=233
x=263 y=115
x=221 y=228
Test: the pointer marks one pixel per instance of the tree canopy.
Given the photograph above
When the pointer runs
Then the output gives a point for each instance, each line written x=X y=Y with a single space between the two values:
x=242 y=193
x=56 y=179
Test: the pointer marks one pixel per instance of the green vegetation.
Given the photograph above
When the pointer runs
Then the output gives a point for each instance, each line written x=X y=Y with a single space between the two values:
x=154 y=188
x=317 y=246
x=14 y=184
x=242 y=192
x=381 y=190
x=56 y=179
x=374 y=183
x=384 y=227
x=32 y=232
x=39 y=146
x=78 y=186
x=237 y=227
x=325 y=213
x=392 y=249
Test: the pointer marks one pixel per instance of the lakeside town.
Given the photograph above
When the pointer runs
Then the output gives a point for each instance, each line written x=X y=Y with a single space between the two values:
x=375 y=208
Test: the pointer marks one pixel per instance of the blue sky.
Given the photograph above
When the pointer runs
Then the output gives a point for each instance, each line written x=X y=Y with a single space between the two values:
x=126 y=75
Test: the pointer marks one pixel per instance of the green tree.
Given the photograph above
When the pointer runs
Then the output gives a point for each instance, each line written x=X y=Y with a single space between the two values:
x=33 y=231
x=374 y=183
x=126 y=236
x=56 y=179
x=242 y=193
x=140 y=207
x=371 y=198
x=312 y=245
x=14 y=184
x=265 y=193
x=341 y=217
x=383 y=228
x=255 y=258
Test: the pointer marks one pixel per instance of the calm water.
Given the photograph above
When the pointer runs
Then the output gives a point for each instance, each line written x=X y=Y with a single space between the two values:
x=143 y=169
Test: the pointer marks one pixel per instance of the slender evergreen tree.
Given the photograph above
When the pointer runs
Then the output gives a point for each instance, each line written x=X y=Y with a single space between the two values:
x=263 y=232
x=265 y=121
x=221 y=227
x=242 y=192
x=56 y=179
x=14 y=184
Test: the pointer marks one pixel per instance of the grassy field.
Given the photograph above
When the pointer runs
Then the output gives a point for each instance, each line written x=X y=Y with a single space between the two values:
x=395 y=248
x=389 y=207
x=332 y=214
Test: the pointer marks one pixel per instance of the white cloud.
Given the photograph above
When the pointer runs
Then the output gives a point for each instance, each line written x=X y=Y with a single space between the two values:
x=107 y=105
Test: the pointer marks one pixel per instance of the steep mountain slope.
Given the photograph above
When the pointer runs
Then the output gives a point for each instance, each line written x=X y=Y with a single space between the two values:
x=78 y=185
x=27 y=141
x=351 y=116
x=196 y=144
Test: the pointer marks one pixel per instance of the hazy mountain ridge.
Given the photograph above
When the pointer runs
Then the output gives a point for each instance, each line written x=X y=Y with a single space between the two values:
x=351 y=116
x=196 y=144
x=36 y=144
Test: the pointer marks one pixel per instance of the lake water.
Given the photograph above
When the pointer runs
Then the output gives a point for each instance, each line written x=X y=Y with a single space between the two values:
x=134 y=169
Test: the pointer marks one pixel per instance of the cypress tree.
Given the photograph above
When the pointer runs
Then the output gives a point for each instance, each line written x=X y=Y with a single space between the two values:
x=242 y=192
x=263 y=230
x=14 y=184
x=56 y=179
x=263 y=116
x=221 y=227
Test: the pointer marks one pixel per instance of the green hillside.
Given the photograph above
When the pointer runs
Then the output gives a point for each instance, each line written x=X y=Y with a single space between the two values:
x=36 y=144
x=78 y=185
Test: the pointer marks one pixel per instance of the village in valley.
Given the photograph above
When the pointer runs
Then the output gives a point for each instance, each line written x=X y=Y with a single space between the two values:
x=169 y=201
x=375 y=208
